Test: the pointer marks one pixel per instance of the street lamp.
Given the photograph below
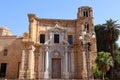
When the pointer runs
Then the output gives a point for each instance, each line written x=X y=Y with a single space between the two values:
x=86 y=41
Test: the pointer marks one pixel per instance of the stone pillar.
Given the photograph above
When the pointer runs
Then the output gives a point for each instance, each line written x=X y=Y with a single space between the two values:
x=84 y=70
x=31 y=63
x=22 y=68
x=40 y=66
x=46 y=74
x=66 y=64
x=36 y=62
x=32 y=27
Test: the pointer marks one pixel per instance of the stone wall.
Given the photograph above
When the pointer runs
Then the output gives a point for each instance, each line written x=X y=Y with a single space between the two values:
x=33 y=66
x=13 y=57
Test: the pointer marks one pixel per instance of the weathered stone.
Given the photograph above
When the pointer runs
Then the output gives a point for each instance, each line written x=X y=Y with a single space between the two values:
x=29 y=59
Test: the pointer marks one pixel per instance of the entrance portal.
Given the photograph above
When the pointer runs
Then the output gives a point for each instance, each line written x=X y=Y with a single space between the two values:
x=56 y=68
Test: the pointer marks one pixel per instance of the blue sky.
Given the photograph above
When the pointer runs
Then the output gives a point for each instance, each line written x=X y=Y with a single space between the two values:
x=13 y=13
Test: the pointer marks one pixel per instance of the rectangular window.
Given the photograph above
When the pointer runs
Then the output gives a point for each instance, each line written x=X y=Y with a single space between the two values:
x=56 y=38
x=5 y=52
x=70 y=39
x=3 y=69
x=42 y=38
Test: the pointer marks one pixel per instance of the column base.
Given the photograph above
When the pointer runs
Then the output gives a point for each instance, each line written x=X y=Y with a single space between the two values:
x=21 y=74
x=41 y=75
x=46 y=75
x=30 y=75
x=66 y=75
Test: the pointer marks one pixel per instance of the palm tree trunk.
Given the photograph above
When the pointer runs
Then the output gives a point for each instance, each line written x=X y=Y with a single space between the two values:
x=112 y=50
x=103 y=76
x=112 y=54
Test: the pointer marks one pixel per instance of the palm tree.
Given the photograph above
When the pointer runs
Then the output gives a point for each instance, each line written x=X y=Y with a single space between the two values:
x=107 y=34
x=111 y=33
x=102 y=44
x=104 y=61
x=96 y=72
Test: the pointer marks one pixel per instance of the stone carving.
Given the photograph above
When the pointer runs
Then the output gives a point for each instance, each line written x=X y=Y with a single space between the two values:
x=56 y=55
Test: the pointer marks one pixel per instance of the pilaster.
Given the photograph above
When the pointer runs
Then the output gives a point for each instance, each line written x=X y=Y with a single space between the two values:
x=84 y=70
x=31 y=63
x=22 y=69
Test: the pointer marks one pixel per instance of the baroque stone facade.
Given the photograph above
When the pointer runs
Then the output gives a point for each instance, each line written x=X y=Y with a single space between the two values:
x=51 y=49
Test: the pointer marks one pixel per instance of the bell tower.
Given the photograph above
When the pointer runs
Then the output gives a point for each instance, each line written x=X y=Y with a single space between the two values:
x=85 y=28
x=85 y=17
x=85 y=11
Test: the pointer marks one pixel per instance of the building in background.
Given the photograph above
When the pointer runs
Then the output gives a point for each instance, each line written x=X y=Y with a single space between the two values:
x=50 y=50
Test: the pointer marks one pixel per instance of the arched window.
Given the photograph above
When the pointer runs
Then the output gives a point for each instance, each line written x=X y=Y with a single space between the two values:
x=86 y=27
x=86 y=14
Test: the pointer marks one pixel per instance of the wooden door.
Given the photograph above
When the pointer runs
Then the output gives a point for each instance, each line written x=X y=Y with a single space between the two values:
x=56 y=68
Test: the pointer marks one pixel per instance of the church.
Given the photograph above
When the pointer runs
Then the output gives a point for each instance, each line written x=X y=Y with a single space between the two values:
x=51 y=49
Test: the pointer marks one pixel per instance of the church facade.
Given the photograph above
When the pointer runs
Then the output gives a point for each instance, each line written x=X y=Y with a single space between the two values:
x=51 y=49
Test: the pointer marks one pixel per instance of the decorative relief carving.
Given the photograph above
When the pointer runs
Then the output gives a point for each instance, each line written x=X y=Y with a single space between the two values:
x=47 y=49
x=56 y=54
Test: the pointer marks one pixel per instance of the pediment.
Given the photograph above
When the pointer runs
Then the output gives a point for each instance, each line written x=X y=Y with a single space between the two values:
x=57 y=29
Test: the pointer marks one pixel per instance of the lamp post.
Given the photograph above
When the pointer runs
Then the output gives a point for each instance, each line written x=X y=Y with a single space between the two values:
x=87 y=44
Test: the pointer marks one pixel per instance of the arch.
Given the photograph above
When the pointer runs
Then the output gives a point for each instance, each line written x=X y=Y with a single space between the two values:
x=86 y=13
x=86 y=27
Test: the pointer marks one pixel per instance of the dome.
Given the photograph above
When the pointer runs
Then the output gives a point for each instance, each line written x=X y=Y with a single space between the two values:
x=4 y=31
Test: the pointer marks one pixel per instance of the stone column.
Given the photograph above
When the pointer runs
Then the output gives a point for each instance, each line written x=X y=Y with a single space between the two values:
x=22 y=69
x=66 y=64
x=32 y=27
x=31 y=63
x=36 y=62
x=40 y=65
x=46 y=74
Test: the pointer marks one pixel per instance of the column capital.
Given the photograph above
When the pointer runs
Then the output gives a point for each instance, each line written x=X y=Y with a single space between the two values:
x=66 y=49
x=37 y=44
x=31 y=47
x=31 y=17
x=47 y=49
x=27 y=44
